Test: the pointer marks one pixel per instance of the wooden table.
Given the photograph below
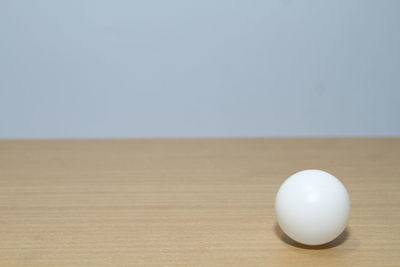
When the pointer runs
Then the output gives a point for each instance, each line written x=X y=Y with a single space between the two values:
x=188 y=202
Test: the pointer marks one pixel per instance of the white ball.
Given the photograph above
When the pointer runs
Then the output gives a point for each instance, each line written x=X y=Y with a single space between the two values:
x=312 y=207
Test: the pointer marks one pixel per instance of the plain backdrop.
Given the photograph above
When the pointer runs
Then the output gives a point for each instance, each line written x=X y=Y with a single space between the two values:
x=205 y=68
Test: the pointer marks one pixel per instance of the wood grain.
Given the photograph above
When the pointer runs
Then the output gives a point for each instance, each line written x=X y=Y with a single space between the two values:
x=205 y=202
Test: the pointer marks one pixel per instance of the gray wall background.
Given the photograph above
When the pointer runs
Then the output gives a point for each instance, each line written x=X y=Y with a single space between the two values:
x=87 y=68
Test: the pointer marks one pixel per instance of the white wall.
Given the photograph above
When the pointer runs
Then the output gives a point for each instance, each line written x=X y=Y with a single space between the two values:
x=199 y=68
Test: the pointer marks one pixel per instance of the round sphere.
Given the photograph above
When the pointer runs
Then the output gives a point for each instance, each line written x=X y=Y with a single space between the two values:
x=312 y=207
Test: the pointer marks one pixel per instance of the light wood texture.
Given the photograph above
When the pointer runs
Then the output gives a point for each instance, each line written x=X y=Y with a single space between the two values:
x=188 y=202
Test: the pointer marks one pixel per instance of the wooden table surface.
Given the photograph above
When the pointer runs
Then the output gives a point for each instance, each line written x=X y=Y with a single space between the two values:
x=204 y=202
